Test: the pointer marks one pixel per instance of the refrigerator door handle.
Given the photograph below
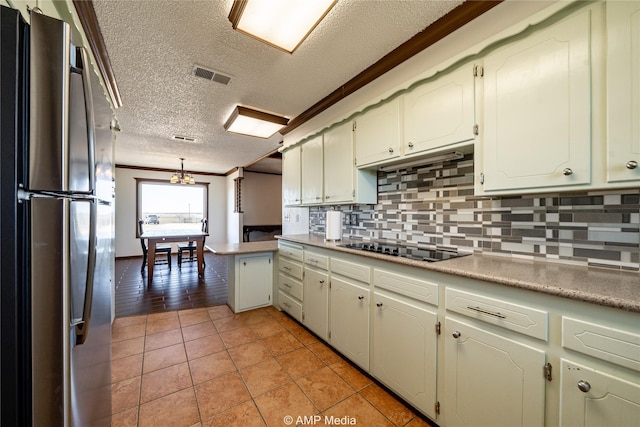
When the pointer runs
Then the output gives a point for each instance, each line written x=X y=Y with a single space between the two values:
x=88 y=97
x=82 y=324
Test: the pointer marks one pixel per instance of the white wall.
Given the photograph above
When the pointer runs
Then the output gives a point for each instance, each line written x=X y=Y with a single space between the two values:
x=261 y=199
x=126 y=221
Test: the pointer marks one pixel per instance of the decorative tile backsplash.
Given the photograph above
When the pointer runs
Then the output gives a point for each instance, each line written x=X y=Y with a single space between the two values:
x=435 y=206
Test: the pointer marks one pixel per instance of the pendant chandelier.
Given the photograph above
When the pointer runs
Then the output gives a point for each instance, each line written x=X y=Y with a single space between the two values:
x=182 y=177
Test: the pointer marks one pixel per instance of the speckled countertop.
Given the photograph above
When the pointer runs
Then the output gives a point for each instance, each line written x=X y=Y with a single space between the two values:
x=243 y=248
x=613 y=288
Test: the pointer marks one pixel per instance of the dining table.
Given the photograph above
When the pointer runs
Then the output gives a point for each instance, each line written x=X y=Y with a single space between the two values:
x=155 y=237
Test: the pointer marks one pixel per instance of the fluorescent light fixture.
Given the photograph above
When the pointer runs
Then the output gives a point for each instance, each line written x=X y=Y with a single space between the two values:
x=281 y=23
x=247 y=121
x=453 y=155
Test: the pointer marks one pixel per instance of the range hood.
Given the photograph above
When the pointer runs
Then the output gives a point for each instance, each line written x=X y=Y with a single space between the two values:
x=423 y=160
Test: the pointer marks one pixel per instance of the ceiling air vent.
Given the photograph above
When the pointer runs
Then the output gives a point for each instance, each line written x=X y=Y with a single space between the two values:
x=212 y=75
x=183 y=138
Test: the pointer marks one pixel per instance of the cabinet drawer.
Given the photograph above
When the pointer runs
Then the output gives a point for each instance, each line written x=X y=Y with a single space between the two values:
x=290 y=267
x=293 y=252
x=290 y=286
x=406 y=285
x=602 y=342
x=525 y=320
x=290 y=306
x=352 y=270
x=316 y=260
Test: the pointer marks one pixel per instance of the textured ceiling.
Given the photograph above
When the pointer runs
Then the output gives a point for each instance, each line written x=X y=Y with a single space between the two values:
x=153 y=46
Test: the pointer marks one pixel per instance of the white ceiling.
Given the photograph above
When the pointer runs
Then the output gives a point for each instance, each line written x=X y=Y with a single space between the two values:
x=153 y=46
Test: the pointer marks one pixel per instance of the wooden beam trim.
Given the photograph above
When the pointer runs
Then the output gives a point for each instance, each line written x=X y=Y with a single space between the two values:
x=145 y=168
x=89 y=22
x=441 y=28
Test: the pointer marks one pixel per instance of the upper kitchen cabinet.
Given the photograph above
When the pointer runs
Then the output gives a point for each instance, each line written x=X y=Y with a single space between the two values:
x=378 y=134
x=311 y=158
x=623 y=91
x=291 y=193
x=440 y=112
x=343 y=183
x=338 y=164
x=537 y=110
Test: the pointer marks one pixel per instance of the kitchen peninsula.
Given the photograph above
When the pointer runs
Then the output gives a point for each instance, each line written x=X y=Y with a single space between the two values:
x=249 y=272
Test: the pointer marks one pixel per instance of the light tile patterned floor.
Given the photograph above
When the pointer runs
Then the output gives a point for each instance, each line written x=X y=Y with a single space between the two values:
x=210 y=367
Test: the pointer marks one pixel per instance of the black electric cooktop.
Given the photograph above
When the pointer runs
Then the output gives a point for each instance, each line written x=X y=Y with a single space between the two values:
x=409 y=252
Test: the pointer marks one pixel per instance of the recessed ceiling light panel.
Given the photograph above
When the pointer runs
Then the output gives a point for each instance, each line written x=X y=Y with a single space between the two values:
x=281 y=23
x=247 y=121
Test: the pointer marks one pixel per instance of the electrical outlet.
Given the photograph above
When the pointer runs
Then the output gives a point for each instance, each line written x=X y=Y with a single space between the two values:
x=354 y=219
x=297 y=217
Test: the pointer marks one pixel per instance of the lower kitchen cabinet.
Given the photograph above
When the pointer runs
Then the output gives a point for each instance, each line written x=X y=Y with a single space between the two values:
x=491 y=380
x=350 y=320
x=315 y=306
x=251 y=283
x=590 y=397
x=405 y=349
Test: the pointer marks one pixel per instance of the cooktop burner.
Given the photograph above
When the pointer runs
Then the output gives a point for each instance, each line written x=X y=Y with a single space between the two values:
x=409 y=252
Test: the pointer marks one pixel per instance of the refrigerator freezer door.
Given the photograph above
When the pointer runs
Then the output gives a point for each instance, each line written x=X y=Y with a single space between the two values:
x=49 y=311
x=70 y=372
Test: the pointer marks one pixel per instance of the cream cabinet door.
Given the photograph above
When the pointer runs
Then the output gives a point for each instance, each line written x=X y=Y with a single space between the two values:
x=623 y=91
x=315 y=302
x=350 y=320
x=537 y=109
x=405 y=349
x=491 y=380
x=291 y=177
x=440 y=112
x=338 y=164
x=590 y=397
x=255 y=281
x=378 y=134
x=311 y=170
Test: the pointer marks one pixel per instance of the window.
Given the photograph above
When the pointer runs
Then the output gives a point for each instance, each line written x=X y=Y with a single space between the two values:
x=171 y=206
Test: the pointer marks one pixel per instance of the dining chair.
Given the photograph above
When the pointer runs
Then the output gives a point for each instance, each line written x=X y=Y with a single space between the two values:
x=191 y=246
x=159 y=249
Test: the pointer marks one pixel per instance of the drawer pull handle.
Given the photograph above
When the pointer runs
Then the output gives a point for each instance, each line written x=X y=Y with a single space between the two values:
x=287 y=285
x=360 y=297
x=379 y=304
x=479 y=310
x=286 y=268
x=584 y=386
x=286 y=304
x=313 y=260
x=456 y=334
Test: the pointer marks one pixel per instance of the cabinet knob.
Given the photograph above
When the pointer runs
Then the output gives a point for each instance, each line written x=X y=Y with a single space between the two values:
x=390 y=150
x=410 y=145
x=632 y=164
x=379 y=304
x=360 y=297
x=326 y=197
x=322 y=282
x=567 y=172
x=456 y=334
x=584 y=386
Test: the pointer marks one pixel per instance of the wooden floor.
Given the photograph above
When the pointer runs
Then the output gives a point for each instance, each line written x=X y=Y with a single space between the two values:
x=176 y=289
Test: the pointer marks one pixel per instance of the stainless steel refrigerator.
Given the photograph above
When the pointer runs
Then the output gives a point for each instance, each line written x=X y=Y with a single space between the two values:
x=56 y=213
